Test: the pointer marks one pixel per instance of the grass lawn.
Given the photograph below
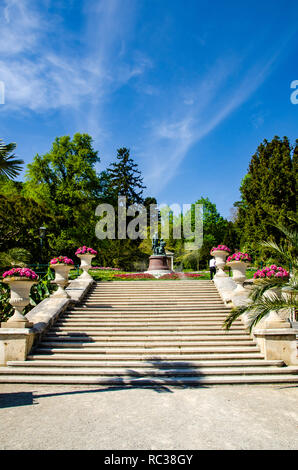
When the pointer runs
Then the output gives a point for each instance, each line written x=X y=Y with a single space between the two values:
x=111 y=275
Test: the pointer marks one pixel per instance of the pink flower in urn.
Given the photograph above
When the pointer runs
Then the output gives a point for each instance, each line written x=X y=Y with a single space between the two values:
x=85 y=250
x=20 y=272
x=61 y=260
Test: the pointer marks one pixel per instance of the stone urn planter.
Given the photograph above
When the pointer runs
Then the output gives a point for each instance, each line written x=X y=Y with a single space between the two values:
x=61 y=265
x=85 y=254
x=85 y=266
x=19 y=298
x=239 y=275
x=220 y=260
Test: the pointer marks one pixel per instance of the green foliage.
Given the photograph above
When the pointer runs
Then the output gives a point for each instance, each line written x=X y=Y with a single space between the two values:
x=260 y=303
x=43 y=289
x=124 y=179
x=15 y=257
x=6 y=310
x=10 y=166
x=268 y=194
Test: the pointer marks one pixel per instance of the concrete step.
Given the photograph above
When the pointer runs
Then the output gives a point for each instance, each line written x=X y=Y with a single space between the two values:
x=103 y=329
x=126 y=342
x=148 y=356
x=151 y=381
x=49 y=362
x=139 y=335
x=112 y=349
x=121 y=317
x=148 y=372
x=114 y=323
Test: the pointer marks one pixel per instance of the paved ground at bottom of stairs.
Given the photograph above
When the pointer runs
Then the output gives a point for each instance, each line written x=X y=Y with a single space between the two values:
x=43 y=417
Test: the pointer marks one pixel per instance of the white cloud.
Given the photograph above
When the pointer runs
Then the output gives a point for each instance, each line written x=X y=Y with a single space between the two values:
x=216 y=96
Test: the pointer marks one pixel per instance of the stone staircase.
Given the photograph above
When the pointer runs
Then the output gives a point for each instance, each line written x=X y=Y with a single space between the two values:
x=147 y=332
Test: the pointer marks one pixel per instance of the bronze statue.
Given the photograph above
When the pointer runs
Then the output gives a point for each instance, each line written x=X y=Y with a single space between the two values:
x=158 y=246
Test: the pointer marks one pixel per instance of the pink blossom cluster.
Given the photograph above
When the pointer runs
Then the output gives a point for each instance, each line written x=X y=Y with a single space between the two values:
x=106 y=269
x=221 y=248
x=134 y=276
x=61 y=260
x=271 y=271
x=239 y=257
x=85 y=250
x=21 y=272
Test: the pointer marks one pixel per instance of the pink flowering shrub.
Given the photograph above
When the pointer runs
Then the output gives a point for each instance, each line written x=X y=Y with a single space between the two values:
x=84 y=250
x=61 y=260
x=21 y=272
x=221 y=248
x=272 y=271
x=239 y=257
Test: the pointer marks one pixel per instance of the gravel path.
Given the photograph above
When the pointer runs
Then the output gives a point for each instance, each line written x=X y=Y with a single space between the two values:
x=88 y=417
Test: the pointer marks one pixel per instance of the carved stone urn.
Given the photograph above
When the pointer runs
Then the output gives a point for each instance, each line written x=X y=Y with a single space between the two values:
x=220 y=260
x=85 y=266
x=61 y=279
x=239 y=276
x=19 y=298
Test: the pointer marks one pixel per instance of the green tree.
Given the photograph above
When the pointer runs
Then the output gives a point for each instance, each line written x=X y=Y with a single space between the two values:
x=66 y=182
x=268 y=192
x=124 y=178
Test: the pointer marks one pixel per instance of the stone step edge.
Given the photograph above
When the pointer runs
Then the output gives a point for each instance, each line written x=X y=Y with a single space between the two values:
x=252 y=379
x=150 y=371
x=135 y=363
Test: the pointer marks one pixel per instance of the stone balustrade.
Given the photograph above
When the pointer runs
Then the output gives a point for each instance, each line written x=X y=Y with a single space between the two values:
x=275 y=336
x=16 y=343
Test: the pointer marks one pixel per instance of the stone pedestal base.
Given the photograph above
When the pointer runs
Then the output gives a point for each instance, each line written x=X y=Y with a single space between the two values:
x=278 y=344
x=158 y=265
x=17 y=324
x=15 y=344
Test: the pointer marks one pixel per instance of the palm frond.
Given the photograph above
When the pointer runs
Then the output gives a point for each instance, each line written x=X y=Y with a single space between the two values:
x=9 y=165
x=15 y=257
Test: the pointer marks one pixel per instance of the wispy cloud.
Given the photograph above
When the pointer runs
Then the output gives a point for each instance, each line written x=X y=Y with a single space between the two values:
x=39 y=78
x=209 y=103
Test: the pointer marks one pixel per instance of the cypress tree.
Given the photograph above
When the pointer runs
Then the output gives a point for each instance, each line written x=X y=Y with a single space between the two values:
x=268 y=192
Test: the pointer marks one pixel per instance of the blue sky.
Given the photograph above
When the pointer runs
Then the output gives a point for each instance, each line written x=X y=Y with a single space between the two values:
x=191 y=87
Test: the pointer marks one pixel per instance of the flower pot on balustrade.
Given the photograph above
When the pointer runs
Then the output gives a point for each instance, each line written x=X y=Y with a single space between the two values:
x=85 y=266
x=220 y=260
x=19 y=298
x=239 y=275
x=61 y=279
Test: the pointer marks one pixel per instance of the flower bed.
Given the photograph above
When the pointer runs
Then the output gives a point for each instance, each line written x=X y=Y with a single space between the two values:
x=220 y=248
x=181 y=276
x=134 y=276
x=25 y=273
x=84 y=250
x=61 y=260
x=272 y=271
x=239 y=257
x=105 y=269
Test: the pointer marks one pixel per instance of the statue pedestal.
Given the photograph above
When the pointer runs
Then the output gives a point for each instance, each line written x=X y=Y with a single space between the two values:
x=158 y=265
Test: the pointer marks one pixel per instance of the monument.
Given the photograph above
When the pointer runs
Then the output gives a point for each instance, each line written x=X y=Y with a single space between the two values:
x=158 y=262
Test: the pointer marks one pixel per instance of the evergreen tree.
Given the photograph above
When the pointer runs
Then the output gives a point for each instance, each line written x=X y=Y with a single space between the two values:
x=124 y=178
x=268 y=194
